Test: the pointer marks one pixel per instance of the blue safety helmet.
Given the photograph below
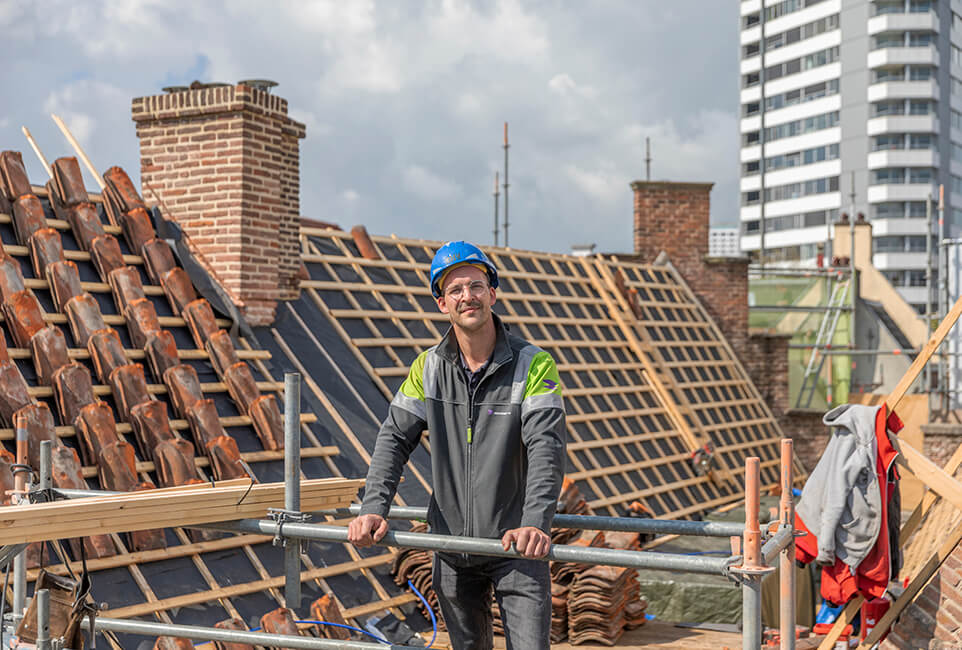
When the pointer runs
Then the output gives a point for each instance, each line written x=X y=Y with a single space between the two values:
x=459 y=252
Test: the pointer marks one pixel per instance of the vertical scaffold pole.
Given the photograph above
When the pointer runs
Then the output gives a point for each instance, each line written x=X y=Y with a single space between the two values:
x=43 y=619
x=751 y=547
x=786 y=560
x=20 y=487
x=754 y=567
x=46 y=464
x=292 y=485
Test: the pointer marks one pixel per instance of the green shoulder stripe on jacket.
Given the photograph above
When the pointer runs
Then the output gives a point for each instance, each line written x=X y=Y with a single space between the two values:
x=410 y=397
x=413 y=385
x=543 y=386
x=542 y=376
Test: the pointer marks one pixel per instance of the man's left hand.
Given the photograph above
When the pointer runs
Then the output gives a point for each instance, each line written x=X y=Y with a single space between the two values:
x=531 y=542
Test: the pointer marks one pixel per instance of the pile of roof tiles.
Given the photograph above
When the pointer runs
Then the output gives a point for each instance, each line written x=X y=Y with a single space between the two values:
x=563 y=574
x=99 y=430
x=416 y=565
x=579 y=609
x=602 y=603
x=593 y=604
x=570 y=502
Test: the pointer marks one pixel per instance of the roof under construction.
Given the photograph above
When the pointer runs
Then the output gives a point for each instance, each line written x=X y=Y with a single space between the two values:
x=114 y=351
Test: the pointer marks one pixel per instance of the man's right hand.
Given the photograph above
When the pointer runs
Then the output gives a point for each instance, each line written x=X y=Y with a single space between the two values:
x=366 y=530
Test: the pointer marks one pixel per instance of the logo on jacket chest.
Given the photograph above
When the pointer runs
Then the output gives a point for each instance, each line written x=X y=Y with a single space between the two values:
x=497 y=412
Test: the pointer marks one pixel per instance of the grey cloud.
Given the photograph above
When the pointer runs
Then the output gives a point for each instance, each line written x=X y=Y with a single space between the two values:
x=405 y=102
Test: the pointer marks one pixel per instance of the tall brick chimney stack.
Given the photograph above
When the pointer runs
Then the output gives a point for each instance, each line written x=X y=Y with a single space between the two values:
x=674 y=217
x=224 y=163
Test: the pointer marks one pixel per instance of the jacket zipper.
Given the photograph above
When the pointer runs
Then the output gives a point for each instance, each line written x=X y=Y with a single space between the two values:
x=472 y=394
x=469 y=435
x=469 y=519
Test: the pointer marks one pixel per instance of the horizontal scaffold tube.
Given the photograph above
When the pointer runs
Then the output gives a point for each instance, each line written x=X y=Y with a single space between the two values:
x=153 y=629
x=593 y=522
x=490 y=547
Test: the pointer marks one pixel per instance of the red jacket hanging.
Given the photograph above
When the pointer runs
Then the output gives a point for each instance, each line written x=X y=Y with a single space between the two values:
x=872 y=575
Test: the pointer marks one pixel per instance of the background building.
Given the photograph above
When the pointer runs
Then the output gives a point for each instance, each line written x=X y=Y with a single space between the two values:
x=849 y=107
x=723 y=242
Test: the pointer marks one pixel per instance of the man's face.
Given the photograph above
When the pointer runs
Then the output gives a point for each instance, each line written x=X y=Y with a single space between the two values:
x=466 y=298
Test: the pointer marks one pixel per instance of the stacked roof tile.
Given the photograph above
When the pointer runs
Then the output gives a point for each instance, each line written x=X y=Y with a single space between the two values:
x=110 y=352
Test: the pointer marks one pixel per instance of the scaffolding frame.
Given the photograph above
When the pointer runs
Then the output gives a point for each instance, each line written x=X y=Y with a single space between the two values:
x=841 y=292
x=823 y=340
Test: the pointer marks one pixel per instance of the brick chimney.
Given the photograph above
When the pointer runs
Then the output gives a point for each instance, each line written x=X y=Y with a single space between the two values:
x=673 y=217
x=223 y=161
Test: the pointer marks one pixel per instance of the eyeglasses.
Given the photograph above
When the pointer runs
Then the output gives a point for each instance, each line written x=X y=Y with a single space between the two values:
x=475 y=288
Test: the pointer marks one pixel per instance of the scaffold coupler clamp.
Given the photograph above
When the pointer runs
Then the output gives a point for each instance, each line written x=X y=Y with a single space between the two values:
x=281 y=516
x=749 y=569
x=747 y=564
x=741 y=573
x=44 y=495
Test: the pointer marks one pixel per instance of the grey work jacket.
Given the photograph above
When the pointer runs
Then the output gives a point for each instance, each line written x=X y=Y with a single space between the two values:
x=497 y=455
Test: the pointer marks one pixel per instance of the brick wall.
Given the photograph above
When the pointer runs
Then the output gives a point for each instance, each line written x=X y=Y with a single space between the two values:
x=224 y=163
x=767 y=365
x=941 y=440
x=674 y=217
x=809 y=435
x=766 y=362
x=934 y=619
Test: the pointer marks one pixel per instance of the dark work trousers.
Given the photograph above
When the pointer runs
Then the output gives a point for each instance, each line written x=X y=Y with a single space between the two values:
x=522 y=589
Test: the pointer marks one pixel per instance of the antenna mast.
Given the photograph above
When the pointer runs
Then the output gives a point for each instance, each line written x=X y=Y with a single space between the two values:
x=496 y=194
x=506 y=184
x=647 y=159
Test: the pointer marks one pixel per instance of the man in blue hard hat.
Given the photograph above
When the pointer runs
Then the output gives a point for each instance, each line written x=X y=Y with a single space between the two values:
x=493 y=405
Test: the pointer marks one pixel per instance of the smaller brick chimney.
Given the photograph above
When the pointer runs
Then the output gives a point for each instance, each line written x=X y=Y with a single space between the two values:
x=223 y=161
x=674 y=218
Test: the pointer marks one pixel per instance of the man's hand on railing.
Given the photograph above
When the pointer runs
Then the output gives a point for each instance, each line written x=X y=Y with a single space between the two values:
x=366 y=530
x=531 y=542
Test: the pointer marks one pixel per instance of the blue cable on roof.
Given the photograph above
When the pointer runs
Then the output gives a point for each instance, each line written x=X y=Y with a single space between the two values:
x=434 y=623
x=434 y=620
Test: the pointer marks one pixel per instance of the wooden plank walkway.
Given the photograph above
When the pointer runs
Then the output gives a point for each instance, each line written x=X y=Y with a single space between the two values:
x=653 y=634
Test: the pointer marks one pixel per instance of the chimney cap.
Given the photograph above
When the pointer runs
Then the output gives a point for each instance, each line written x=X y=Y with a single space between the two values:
x=259 y=84
x=194 y=85
x=677 y=186
x=200 y=85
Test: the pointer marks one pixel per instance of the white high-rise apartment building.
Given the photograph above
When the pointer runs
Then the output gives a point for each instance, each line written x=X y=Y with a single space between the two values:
x=843 y=97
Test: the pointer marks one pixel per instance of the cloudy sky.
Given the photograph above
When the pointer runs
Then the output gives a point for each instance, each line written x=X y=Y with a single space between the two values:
x=404 y=102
